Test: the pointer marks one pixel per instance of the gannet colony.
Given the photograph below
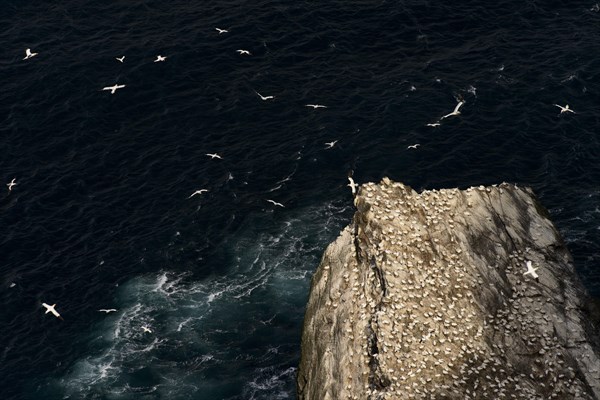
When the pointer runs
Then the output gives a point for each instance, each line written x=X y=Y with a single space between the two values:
x=431 y=296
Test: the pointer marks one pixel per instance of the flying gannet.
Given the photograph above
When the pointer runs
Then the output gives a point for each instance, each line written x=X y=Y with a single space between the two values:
x=315 y=106
x=531 y=270
x=331 y=144
x=107 y=310
x=565 y=109
x=51 y=309
x=264 y=97
x=198 y=192
x=29 y=54
x=275 y=203
x=221 y=30
x=114 y=88
x=160 y=58
x=120 y=59
x=413 y=146
x=456 y=110
x=353 y=186
x=434 y=125
x=214 y=155
x=11 y=184
x=242 y=52
x=146 y=329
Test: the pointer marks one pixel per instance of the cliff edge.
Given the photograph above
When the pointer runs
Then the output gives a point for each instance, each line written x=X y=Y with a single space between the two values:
x=426 y=296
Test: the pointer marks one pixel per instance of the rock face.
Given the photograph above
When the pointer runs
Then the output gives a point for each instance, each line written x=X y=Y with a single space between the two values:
x=424 y=296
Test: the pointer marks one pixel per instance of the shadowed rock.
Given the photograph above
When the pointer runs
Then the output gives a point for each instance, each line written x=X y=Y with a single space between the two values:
x=423 y=296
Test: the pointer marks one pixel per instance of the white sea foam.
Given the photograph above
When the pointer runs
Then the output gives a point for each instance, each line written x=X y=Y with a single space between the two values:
x=202 y=329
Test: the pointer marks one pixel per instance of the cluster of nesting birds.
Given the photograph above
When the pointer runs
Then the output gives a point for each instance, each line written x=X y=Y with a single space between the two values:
x=415 y=314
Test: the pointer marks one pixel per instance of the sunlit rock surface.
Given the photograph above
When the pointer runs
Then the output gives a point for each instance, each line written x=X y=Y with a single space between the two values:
x=424 y=296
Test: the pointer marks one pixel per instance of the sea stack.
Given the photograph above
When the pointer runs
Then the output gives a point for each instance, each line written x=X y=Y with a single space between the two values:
x=423 y=296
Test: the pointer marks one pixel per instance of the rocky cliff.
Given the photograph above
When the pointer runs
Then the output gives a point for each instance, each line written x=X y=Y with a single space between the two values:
x=425 y=296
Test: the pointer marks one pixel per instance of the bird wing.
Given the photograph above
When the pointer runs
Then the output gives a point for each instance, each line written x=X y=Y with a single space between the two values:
x=458 y=106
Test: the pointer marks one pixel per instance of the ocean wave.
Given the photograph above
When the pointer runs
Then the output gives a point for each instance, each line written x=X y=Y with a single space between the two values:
x=200 y=329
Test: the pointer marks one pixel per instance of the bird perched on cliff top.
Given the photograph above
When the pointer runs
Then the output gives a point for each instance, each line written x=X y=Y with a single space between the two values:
x=565 y=109
x=51 y=309
x=531 y=270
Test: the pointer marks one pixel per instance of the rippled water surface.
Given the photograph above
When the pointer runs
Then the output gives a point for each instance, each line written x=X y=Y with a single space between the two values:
x=101 y=215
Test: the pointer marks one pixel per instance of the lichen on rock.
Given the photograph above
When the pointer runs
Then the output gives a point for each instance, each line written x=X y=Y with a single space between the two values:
x=423 y=296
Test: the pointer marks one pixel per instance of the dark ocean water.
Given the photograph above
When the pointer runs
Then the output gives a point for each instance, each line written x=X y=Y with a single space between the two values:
x=100 y=216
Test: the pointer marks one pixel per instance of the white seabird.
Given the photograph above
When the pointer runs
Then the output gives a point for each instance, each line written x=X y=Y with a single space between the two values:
x=565 y=109
x=214 y=155
x=531 y=270
x=29 y=54
x=242 y=52
x=456 y=110
x=264 y=97
x=198 y=192
x=11 y=184
x=331 y=144
x=221 y=30
x=160 y=58
x=51 y=309
x=413 y=146
x=107 y=310
x=352 y=185
x=435 y=124
x=114 y=88
x=146 y=329
x=315 y=106
x=120 y=59
x=275 y=203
